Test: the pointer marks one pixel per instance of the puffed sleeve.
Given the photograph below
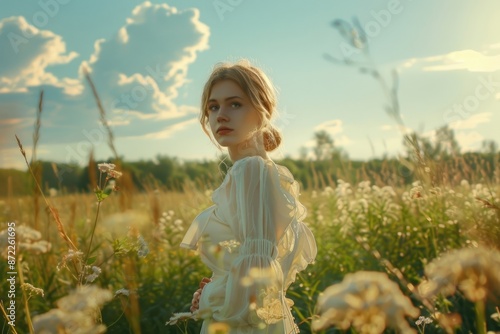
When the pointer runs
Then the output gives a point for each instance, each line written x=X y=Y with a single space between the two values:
x=258 y=212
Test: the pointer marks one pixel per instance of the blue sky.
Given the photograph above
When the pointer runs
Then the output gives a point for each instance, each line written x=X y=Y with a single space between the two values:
x=149 y=61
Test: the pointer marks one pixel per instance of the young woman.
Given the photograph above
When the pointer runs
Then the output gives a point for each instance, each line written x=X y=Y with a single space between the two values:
x=252 y=238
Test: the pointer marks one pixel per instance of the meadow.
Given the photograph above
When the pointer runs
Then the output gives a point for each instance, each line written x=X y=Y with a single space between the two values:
x=406 y=248
x=129 y=243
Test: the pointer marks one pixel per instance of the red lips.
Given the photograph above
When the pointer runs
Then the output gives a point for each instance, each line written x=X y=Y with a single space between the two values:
x=224 y=130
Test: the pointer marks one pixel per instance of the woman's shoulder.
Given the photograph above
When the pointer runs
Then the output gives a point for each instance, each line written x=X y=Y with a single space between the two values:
x=251 y=161
x=256 y=163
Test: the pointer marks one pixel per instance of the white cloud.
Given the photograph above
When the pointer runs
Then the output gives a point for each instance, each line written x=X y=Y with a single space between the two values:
x=333 y=127
x=469 y=140
x=137 y=74
x=469 y=60
x=403 y=129
x=146 y=62
x=494 y=46
x=472 y=122
x=26 y=54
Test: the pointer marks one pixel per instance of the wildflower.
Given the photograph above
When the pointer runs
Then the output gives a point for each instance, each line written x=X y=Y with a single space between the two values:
x=368 y=301
x=75 y=313
x=176 y=317
x=123 y=292
x=229 y=245
x=37 y=247
x=176 y=226
x=417 y=190
x=423 y=321
x=52 y=192
x=70 y=256
x=32 y=290
x=328 y=192
x=474 y=271
x=105 y=167
x=84 y=298
x=114 y=174
x=27 y=234
x=143 y=247
x=29 y=240
x=96 y=271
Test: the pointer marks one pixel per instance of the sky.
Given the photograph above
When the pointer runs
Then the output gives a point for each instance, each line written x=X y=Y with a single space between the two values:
x=149 y=62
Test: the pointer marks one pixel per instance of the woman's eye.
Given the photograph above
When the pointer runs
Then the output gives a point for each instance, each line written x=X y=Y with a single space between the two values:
x=235 y=105
x=213 y=107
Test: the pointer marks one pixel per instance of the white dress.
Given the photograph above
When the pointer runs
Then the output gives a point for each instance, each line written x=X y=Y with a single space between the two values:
x=254 y=241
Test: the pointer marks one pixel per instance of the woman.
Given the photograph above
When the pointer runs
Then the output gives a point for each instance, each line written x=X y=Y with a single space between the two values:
x=252 y=238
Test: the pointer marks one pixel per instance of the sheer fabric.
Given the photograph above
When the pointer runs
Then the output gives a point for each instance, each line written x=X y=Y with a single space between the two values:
x=254 y=241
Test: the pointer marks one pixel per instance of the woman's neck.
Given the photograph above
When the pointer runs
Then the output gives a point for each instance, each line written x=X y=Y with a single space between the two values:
x=254 y=146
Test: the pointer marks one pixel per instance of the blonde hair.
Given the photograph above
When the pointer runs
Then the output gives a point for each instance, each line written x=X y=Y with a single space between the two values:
x=259 y=89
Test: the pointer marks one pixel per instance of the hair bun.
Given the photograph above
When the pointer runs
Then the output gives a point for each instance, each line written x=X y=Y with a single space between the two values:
x=272 y=138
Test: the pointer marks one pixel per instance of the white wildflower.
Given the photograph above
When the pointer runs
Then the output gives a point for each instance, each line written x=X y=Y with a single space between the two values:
x=176 y=317
x=70 y=256
x=178 y=225
x=474 y=271
x=37 y=247
x=85 y=298
x=32 y=290
x=143 y=247
x=106 y=167
x=230 y=245
x=423 y=321
x=28 y=240
x=328 y=192
x=27 y=234
x=75 y=313
x=123 y=292
x=114 y=174
x=96 y=271
x=367 y=301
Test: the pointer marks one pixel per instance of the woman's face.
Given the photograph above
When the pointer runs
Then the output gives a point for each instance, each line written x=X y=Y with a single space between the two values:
x=232 y=118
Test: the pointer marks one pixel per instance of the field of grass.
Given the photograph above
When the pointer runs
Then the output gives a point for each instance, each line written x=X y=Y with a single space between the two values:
x=393 y=258
x=135 y=246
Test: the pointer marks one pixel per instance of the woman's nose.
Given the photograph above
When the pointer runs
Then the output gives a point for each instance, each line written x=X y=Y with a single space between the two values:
x=222 y=116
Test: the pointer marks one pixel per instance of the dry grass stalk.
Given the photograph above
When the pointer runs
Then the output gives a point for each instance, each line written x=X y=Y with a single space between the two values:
x=50 y=208
x=12 y=328
x=132 y=309
x=92 y=171
x=37 y=168
x=102 y=114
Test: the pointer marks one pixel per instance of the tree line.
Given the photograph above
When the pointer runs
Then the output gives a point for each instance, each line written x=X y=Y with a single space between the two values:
x=321 y=166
